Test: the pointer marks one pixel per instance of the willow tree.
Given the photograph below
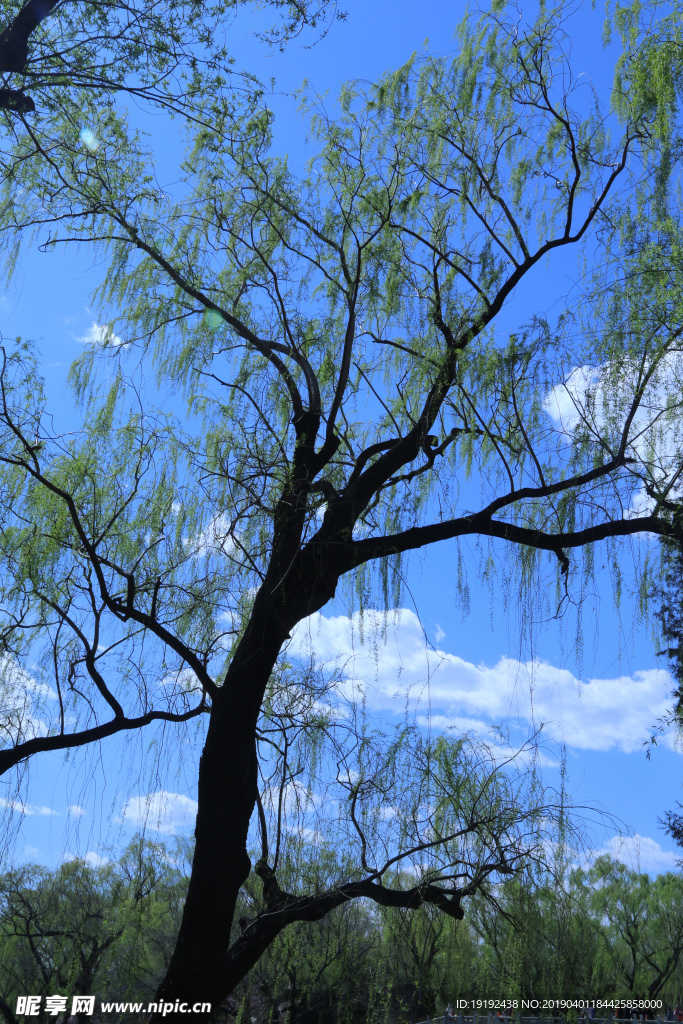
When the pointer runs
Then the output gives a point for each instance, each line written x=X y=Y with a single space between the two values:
x=349 y=402
x=167 y=54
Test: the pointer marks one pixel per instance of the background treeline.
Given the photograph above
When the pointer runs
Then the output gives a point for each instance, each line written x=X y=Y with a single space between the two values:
x=109 y=931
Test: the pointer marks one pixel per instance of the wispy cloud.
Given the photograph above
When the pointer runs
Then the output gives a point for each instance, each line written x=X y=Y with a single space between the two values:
x=91 y=858
x=640 y=853
x=217 y=537
x=20 y=807
x=22 y=700
x=596 y=396
x=89 y=139
x=100 y=334
x=161 y=811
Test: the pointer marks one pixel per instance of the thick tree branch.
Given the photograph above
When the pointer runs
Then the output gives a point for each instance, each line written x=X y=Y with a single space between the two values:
x=420 y=536
x=14 y=39
x=260 y=933
x=13 y=756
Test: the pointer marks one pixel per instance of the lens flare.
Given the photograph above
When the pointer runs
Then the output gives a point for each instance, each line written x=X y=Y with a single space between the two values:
x=89 y=139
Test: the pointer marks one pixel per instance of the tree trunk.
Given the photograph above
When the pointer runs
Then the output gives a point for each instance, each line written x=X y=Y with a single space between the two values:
x=226 y=797
x=297 y=584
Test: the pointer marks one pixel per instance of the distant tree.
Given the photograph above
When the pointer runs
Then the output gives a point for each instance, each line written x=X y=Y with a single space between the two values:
x=413 y=944
x=55 y=927
x=668 y=596
x=643 y=921
x=542 y=940
x=81 y=929
x=110 y=930
x=319 y=970
x=148 y=909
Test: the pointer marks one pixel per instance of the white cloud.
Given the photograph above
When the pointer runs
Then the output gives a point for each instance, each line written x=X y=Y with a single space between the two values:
x=216 y=537
x=20 y=699
x=498 y=749
x=566 y=402
x=92 y=859
x=181 y=680
x=459 y=723
x=601 y=398
x=161 y=811
x=100 y=334
x=76 y=811
x=395 y=670
x=26 y=809
x=14 y=677
x=640 y=853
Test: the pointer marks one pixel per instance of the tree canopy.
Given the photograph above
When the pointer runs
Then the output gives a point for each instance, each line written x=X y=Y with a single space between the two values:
x=351 y=395
x=167 y=54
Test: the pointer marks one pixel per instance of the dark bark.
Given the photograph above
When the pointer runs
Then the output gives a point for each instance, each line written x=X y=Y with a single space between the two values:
x=16 y=100
x=13 y=756
x=15 y=38
x=6 y=1011
x=227 y=786
x=246 y=951
x=664 y=973
x=204 y=967
x=14 y=51
x=226 y=795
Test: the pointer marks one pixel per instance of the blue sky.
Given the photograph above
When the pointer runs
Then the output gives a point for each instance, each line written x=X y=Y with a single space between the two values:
x=473 y=671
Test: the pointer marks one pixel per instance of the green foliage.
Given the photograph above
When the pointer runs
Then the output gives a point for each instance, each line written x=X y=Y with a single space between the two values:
x=110 y=930
x=432 y=195
x=136 y=516
x=351 y=392
x=457 y=170
x=80 y=929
